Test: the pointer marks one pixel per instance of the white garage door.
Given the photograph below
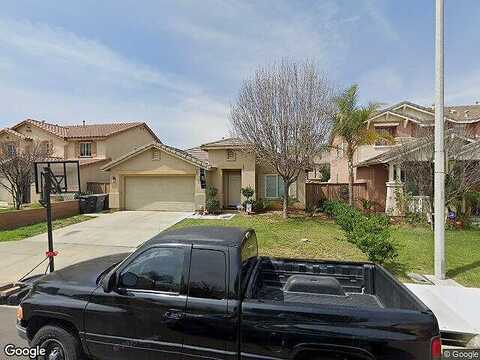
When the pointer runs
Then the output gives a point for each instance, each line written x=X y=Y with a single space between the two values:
x=169 y=193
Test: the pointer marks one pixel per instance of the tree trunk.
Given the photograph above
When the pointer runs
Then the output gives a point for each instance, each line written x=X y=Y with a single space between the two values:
x=350 y=180
x=285 y=199
x=18 y=200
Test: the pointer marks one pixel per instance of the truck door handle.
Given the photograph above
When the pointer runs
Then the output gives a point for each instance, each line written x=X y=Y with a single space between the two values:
x=173 y=314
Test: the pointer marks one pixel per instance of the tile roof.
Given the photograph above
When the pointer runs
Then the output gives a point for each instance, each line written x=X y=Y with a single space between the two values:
x=198 y=153
x=168 y=149
x=14 y=133
x=223 y=143
x=85 y=131
x=461 y=113
x=85 y=162
x=413 y=145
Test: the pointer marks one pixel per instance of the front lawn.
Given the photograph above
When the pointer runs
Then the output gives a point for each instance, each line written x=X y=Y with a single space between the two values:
x=319 y=238
x=35 y=229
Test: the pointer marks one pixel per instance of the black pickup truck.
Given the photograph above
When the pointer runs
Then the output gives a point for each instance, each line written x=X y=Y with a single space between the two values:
x=204 y=292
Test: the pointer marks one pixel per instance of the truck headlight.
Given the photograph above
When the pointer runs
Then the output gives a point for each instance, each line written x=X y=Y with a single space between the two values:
x=19 y=313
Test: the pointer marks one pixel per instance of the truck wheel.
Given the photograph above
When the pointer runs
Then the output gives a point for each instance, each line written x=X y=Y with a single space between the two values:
x=58 y=343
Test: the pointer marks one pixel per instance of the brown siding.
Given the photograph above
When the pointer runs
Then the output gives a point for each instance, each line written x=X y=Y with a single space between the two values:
x=376 y=177
x=15 y=219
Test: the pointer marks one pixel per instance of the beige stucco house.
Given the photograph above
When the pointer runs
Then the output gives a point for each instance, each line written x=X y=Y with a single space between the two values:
x=160 y=177
x=93 y=145
x=377 y=165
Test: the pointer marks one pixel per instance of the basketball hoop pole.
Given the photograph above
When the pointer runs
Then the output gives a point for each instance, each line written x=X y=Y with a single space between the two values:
x=48 y=207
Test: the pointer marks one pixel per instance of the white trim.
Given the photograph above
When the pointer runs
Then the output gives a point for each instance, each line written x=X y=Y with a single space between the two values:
x=391 y=124
x=386 y=112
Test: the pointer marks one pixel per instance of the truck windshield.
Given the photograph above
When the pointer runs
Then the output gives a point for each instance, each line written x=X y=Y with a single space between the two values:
x=248 y=257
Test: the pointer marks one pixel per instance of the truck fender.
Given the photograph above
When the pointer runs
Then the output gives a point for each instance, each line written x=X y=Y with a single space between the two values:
x=309 y=349
x=41 y=317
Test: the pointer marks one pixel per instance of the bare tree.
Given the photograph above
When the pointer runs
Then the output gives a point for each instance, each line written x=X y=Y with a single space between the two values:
x=462 y=170
x=284 y=115
x=17 y=167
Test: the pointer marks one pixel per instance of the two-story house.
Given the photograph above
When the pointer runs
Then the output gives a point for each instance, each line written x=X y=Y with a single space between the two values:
x=92 y=144
x=160 y=177
x=376 y=164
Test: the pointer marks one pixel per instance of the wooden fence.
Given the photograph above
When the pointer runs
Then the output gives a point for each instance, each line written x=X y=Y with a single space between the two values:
x=98 y=188
x=316 y=192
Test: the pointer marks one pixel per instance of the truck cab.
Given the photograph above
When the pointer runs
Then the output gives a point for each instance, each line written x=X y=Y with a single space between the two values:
x=203 y=292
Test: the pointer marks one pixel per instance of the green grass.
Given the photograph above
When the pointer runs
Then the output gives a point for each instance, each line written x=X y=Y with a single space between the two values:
x=295 y=237
x=285 y=238
x=24 y=207
x=35 y=229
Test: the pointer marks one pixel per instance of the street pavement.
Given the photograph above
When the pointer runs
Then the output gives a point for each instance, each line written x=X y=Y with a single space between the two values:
x=8 y=333
x=106 y=234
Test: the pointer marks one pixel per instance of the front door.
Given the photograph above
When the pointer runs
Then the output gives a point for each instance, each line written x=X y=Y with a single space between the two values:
x=234 y=186
x=141 y=321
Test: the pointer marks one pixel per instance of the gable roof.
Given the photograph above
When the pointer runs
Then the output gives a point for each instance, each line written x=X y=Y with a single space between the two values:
x=223 y=144
x=198 y=153
x=14 y=133
x=85 y=131
x=411 y=146
x=454 y=114
x=181 y=154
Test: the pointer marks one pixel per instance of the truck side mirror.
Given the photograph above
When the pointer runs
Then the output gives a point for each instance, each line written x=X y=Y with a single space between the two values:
x=129 y=280
x=108 y=282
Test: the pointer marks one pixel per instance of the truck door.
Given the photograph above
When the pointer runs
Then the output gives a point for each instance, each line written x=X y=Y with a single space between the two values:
x=207 y=327
x=141 y=318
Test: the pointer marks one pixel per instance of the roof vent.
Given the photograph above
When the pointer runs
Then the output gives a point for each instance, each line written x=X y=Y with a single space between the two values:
x=466 y=113
x=453 y=111
x=83 y=122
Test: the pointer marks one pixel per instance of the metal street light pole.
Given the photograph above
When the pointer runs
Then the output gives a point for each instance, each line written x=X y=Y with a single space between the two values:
x=439 y=189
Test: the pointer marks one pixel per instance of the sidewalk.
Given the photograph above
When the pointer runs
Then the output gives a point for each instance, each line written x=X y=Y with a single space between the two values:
x=456 y=307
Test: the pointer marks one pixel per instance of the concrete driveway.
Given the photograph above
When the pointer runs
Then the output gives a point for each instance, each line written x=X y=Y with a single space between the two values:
x=106 y=234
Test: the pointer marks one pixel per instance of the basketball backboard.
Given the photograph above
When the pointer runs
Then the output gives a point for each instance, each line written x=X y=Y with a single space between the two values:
x=65 y=175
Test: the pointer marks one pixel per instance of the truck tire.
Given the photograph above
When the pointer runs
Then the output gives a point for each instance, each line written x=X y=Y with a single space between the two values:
x=57 y=341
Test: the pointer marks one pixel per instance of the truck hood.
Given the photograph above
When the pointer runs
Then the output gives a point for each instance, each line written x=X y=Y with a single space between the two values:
x=80 y=276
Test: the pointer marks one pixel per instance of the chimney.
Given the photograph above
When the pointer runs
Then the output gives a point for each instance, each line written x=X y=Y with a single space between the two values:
x=83 y=122
x=466 y=113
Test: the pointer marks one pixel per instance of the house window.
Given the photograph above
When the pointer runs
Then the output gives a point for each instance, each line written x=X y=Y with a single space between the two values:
x=85 y=149
x=274 y=187
x=46 y=147
x=385 y=132
x=11 y=149
x=231 y=155
x=156 y=155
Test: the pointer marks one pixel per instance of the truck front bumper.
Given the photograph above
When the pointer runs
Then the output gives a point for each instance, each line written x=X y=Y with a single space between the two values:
x=22 y=332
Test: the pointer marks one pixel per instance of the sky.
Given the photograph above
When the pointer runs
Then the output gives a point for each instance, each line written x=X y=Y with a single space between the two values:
x=178 y=65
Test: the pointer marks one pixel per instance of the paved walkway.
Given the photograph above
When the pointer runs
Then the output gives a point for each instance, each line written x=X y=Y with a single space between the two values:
x=107 y=234
x=456 y=307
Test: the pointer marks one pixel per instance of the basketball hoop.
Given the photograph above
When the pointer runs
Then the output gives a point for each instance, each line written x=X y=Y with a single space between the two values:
x=55 y=177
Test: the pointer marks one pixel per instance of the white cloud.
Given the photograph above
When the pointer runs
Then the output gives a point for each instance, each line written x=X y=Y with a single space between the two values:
x=51 y=74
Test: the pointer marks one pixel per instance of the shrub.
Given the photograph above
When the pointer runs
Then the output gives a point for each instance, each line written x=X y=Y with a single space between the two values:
x=344 y=215
x=212 y=204
x=248 y=193
x=371 y=234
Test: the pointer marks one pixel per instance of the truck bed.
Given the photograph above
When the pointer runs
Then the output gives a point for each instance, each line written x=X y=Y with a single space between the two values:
x=362 y=284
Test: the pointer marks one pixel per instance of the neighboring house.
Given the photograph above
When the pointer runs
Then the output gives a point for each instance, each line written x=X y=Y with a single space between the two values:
x=93 y=145
x=160 y=177
x=375 y=164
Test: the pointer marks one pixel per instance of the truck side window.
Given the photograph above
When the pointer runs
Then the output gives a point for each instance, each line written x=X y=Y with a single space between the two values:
x=207 y=274
x=158 y=269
